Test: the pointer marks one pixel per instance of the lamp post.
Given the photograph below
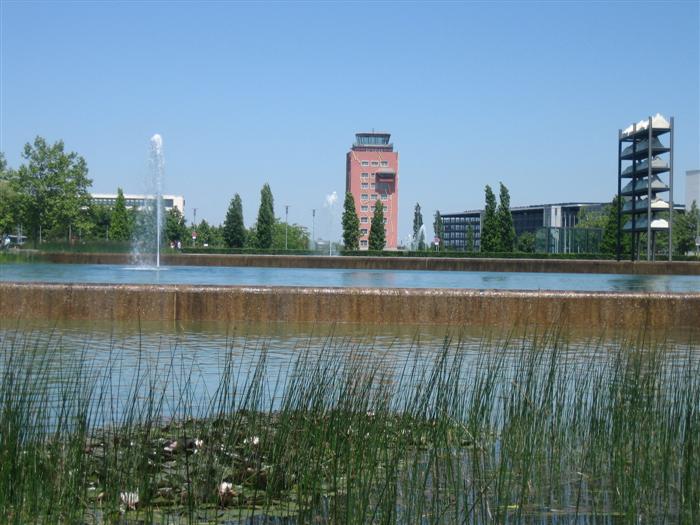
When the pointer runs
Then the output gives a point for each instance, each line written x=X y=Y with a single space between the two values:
x=313 y=229
x=194 y=226
x=286 y=222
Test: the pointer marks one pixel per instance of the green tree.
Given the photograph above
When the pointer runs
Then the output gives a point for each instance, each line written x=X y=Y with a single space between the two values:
x=100 y=218
x=685 y=229
x=506 y=230
x=175 y=227
x=52 y=189
x=439 y=228
x=469 y=239
x=489 y=223
x=418 y=230
x=377 y=233
x=266 y=219
x=120 y=227
x=608 y=243
x=297 y=236
x=526 y=242
x=8 y=198
x=351 y=224
x=234 y=229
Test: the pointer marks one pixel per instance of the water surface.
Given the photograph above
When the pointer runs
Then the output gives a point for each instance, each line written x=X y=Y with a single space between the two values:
x=252 y=276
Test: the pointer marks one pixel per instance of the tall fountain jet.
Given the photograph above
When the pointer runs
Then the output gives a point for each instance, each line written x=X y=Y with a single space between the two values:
x=157 y=169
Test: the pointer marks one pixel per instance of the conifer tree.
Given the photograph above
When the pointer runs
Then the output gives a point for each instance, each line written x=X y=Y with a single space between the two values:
x=351 y=224
x=266 y=219
x=418 y=234
x=120 y=228
x=234 y=229
x=489 y=223
x=377 y=234
x=439 y=228
x=506 y=230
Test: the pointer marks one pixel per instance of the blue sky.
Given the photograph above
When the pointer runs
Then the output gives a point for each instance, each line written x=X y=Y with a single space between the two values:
x=530 y=94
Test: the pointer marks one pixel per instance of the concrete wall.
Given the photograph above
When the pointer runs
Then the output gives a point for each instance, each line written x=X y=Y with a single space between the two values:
x=25 y=301
x=394 y=263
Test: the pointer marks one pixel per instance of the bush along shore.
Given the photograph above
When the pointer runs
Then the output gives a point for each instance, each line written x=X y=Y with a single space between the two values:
x=526 y=431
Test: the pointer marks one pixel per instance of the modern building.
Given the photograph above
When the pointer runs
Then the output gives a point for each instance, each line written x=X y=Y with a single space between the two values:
x=525 y=219
x=692 y=188
x=134 y=200
x=371 y=174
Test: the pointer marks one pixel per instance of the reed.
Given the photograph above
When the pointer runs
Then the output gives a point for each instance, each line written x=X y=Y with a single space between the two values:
x=523 y=429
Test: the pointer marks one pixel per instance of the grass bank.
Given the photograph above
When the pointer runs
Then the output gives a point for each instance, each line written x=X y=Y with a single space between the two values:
x=525 y=432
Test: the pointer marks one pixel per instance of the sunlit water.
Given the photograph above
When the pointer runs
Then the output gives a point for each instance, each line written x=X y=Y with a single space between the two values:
x=250 y=276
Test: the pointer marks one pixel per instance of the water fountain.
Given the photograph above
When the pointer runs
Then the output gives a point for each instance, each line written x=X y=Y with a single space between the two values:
x=331 y=199
x=418 y=241
x=146 y=239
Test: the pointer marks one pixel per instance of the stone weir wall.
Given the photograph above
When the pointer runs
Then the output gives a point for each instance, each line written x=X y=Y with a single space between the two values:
x=393 y=263
x=597 y=310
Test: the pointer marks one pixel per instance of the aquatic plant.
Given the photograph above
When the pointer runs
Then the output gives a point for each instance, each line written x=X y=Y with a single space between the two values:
x=522 y=429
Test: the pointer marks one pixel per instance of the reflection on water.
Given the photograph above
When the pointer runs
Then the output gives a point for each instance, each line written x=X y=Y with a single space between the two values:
x=162 y=357
x=217 y=275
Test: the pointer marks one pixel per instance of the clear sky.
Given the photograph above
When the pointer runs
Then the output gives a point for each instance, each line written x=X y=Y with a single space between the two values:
x=530 y=94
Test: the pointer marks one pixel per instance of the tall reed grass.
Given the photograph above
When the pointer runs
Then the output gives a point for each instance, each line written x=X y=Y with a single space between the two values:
x=525 y=430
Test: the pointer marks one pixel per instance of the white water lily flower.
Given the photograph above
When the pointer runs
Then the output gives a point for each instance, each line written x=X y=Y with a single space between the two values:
x=129 y=499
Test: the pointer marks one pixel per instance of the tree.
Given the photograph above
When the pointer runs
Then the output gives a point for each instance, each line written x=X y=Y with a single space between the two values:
x=297 y=236
x=439 y=228
x=685 y=229
x=418 y=230
x=469 y=239
x=52 y=189
x=377 y=234
x=351 y=224
x=266 y=219
x=526 y=242
x=8 y=198
x=608 y=243
x=489 y=224
x=506 y=230
x=234 y=229
x=120 y=229
x=175 y=227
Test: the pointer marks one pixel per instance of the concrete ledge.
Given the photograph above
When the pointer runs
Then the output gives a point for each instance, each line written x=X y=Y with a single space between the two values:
x=590 y=310
x=394 y=263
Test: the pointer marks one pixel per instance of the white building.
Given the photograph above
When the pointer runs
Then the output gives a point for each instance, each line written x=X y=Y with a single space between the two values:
x=139 y=200
x=692 y=188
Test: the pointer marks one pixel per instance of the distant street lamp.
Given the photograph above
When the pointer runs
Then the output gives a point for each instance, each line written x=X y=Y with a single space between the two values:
x=286 y=216
x=313 y=229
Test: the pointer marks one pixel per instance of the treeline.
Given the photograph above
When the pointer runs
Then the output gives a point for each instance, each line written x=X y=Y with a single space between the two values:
x=47 y=198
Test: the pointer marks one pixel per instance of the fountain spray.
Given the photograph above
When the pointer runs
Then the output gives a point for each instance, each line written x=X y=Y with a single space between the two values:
x=157 y=168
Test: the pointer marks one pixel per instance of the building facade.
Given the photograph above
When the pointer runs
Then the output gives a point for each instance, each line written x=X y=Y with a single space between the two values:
x=525 y=219
x=134 y=200
x=371 y=174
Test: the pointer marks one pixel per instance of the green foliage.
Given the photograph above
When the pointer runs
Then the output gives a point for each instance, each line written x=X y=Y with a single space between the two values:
x=418 y=234
x=377 y=233
x=120 y=227
x=175 y=227
x=506 y=231
x=592 y=219
x=685 y=229
x=351 y=224
x=8 y=198
x=439 y=228
x=52 y=189
x=489 y=224
x=526 y=242
x=266 y=219
x=234 y=229
x=608 y=244
x=297 y=237
x=469 y=238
